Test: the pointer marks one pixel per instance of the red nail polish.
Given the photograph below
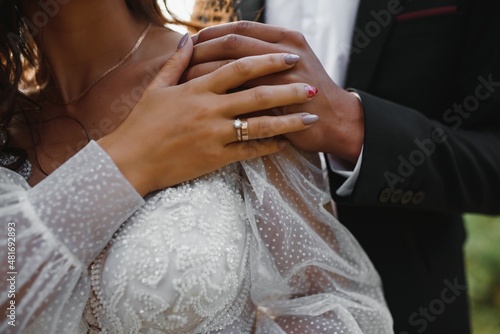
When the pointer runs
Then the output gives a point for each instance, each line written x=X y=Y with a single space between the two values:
x=311 y=91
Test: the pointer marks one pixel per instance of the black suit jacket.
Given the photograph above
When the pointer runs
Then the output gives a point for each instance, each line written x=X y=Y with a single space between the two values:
x=429 y=77
x=430 y=84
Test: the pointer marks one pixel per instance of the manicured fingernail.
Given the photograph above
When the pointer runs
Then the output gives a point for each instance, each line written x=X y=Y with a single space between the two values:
x=311 y=91
x=309 y=119
x=183 y=41
x=291 y=59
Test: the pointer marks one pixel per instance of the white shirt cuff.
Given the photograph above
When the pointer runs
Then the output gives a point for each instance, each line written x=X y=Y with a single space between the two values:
x=340 y=168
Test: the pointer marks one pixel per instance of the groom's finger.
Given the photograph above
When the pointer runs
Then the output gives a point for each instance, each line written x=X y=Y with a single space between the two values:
x=233 y=47
x=200 y=70
x=263 y=32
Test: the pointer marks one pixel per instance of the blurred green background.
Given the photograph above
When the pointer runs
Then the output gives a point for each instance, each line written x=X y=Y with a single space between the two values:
x=482 y=252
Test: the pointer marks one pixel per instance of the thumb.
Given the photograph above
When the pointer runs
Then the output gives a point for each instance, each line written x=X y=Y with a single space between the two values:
x=175 y=66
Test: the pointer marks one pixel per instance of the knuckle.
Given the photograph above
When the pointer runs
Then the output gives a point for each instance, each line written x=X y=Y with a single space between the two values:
x=194 y=86
x=198 y=116
x=264 y=128
x=241 y=27
x=243 y=66
x=294 y=37
x=276 y=60
x=231 y=42
x=300 y=93
x=262 y=96
x=292 y=123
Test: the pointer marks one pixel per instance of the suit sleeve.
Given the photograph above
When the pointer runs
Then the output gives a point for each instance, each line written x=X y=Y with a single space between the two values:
x=412 y=161
x=440 y=161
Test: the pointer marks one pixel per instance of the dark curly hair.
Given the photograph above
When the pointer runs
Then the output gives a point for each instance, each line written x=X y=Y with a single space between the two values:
x=20 y=58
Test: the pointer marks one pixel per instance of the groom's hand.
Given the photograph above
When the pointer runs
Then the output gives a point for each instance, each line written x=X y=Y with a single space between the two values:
x=340 y=130
x=177 y=132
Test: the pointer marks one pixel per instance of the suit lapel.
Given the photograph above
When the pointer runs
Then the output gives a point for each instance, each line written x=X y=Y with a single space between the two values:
x=373 y=26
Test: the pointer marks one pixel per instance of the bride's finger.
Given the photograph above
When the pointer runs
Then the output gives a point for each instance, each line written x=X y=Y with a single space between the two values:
x=266 y=97
x=233 y=47
x=270 y=126
x=173 y=68
x=240 y=71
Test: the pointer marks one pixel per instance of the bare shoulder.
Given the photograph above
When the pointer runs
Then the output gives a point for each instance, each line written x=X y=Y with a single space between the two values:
x=160 y=44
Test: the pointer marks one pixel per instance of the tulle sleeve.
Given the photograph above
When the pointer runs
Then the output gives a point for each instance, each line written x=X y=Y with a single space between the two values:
x=49 y=235
x=309 y=274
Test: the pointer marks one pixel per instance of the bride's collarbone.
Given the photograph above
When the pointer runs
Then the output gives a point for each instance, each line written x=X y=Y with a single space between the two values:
x=62 y=130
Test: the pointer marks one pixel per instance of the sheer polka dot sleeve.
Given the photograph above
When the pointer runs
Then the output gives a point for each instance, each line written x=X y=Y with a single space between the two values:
x=50 y=234
x=309 y=274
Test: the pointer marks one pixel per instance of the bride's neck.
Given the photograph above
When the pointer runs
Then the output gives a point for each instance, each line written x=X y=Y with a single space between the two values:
x=84 y=39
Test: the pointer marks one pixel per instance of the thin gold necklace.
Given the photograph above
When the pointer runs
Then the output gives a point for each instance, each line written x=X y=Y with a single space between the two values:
x=86 y=90
x=110 y=70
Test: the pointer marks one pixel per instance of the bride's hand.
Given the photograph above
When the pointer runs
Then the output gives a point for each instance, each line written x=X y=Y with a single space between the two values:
x=340 y=130
x=178 y=132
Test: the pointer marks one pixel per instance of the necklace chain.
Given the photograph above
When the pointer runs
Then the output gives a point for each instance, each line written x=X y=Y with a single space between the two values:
x=110 y=70
x=89 y=87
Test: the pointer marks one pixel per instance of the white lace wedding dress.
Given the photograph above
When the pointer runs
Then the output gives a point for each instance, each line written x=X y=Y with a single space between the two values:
x=251 y=248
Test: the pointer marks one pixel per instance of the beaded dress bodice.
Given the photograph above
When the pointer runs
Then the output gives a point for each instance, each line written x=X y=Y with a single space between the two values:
x=251 y=248
x=179 y=264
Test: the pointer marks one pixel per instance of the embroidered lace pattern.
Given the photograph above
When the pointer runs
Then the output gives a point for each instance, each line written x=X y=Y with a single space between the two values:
x=24 y=171
x=179 y=264
x=252 y=248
